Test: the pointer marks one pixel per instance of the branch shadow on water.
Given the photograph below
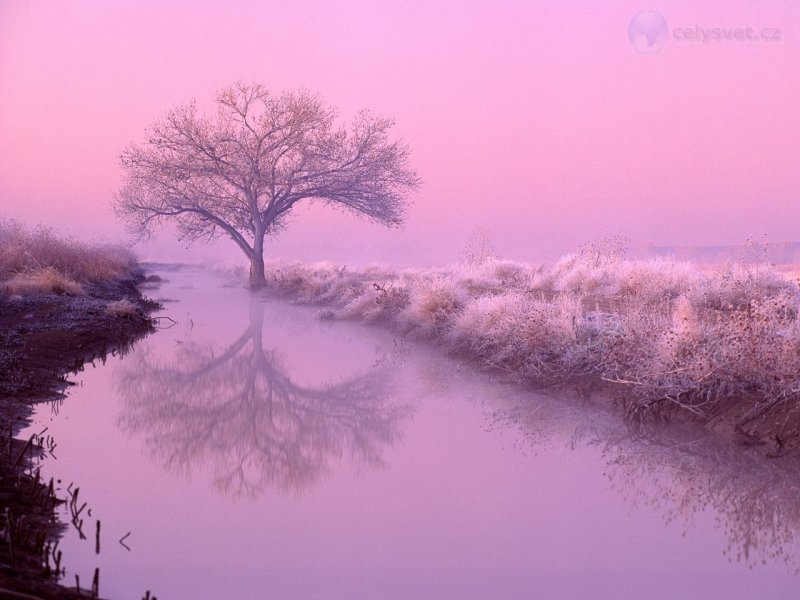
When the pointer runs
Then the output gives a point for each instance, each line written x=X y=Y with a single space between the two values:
x=752 y=497
x=240 y=413
x=680 y=470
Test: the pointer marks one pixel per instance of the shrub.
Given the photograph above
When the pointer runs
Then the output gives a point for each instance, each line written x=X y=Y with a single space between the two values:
x=25 y=251
x=433 y=302
x=45 y=281
x=735 y=285
x=122 y=308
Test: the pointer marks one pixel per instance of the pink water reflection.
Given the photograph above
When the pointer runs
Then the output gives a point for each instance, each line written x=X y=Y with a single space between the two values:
x=482 y=490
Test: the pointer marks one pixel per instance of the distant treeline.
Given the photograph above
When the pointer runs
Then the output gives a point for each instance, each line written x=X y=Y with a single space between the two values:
x=777 y=253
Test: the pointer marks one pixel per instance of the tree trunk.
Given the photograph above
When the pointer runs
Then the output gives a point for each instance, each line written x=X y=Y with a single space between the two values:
x=257 y=279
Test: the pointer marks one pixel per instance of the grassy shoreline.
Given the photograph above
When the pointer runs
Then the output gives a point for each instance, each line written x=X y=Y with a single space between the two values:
x=62 y=304
x=719 y=346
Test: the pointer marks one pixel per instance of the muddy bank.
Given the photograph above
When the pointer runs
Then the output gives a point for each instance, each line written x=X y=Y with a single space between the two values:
x=44 y=338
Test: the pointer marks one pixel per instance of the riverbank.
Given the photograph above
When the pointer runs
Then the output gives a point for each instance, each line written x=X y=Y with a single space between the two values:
x=668 y=339
x=43 y=338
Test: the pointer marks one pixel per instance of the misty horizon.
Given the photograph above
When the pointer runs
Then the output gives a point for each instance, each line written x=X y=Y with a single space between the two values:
x=544 y=126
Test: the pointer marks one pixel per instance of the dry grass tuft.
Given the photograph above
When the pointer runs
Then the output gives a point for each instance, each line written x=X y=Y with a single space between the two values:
x=45 y=281
x=40 y=261
x=122 y=308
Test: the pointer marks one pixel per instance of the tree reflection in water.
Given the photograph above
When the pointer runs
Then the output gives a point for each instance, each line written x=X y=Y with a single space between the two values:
x=754 y=497
x=682 y=471
x=240 y=412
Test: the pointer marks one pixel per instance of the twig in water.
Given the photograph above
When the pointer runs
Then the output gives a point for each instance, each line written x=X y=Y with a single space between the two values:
x=122 y=541
x=96 y=583
x=22 y=454
x=97 y=538
x=158 y=320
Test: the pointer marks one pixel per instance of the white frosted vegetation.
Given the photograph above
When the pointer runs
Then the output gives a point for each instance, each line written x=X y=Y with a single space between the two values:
x=518 y=333
x=122 y=308
x=434 y=301
x=723 y=345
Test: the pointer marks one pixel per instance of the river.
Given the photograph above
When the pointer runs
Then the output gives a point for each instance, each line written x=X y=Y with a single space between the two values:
x=249 y=449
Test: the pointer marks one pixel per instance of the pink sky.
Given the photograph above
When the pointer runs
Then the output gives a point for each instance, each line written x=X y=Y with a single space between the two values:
x=539 y=122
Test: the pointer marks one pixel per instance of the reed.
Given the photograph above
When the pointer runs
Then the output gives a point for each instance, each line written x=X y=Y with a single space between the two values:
x=39 y=260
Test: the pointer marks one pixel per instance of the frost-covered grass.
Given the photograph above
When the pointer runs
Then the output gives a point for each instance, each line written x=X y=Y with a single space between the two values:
x=122 y=308
x=43 y=261
x=722 y=345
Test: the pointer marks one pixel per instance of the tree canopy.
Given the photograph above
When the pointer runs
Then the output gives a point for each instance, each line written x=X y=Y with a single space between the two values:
x=240 y=171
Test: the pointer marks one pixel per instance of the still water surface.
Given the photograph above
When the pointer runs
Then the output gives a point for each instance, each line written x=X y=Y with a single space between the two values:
x=255 y=451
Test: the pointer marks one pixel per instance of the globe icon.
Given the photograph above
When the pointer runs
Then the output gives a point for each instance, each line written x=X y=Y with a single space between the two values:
x=648 y=32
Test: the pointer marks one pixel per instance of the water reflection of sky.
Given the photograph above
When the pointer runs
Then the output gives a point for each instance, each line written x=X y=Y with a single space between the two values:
x=254 y=451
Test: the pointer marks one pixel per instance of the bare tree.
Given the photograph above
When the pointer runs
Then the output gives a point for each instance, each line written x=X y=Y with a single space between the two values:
x=239 y=173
